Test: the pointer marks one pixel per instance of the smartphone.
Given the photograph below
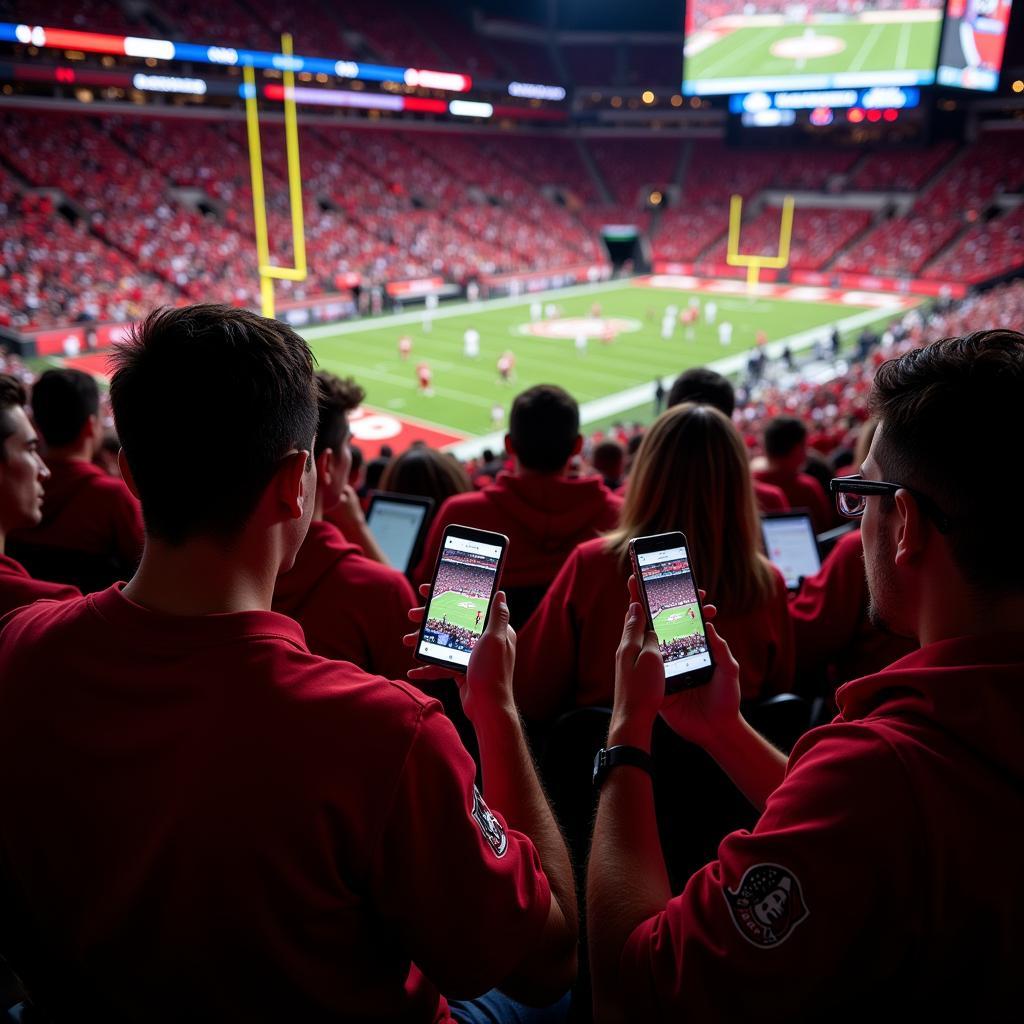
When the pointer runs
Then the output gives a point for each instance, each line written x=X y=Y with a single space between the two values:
x=661 y=565
x=465 y=581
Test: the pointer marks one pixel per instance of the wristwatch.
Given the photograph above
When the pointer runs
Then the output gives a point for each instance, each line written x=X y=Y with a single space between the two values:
x=612 y=757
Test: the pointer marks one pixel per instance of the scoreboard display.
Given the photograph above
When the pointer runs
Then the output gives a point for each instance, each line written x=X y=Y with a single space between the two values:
x=973 y=41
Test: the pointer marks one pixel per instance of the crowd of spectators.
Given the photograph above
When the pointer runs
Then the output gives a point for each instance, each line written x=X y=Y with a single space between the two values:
x=463 y=577
x=683 y=646
x=669 y=591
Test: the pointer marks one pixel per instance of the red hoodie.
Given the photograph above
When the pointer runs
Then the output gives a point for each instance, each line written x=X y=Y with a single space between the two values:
x=565 y=655
x=86 y=509
x=802 y=491
x=350 y=607
x=18 y=588
x=883 y=871
x=544 y=517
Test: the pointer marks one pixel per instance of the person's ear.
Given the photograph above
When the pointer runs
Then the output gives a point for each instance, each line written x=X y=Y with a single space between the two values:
x=911 y=529
x=325 y=466
x=578 y=446
x=126 y=472
x=293 y=488
x=508 y=445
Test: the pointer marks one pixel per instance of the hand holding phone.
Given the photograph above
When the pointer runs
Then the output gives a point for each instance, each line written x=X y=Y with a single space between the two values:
x=661 y=565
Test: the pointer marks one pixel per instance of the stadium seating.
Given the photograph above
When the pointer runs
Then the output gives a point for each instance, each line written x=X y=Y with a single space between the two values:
x=896 y=170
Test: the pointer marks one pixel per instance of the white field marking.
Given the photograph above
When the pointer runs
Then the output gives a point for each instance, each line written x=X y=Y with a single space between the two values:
x=630 y=398
x=904 y=47
x=459 y=309
x=865 y=48
x=729 y=57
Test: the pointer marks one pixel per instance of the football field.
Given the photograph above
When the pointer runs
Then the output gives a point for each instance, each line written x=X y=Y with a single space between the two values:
x=673 y=623
x=823 y=48
x=459 y=610
x=614 y=375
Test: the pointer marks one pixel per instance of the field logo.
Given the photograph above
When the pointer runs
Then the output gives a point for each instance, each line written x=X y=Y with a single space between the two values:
x=807 y=47
x=492 y=829
x=571 y=327
x=767 y=904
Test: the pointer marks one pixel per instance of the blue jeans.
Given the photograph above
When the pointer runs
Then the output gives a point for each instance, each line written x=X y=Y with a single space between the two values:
x=495 y=1007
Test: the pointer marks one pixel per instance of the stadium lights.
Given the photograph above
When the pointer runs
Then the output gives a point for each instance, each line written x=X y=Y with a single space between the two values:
x=45 y=37
x=467 y=108
x=1018 y=86
x=169 y=83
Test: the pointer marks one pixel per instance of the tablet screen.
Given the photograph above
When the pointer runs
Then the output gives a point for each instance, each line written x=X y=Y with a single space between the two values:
x=396 y=526
x=791 y=546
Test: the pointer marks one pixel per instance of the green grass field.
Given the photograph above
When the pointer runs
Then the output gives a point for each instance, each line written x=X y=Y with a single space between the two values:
x=673 y=623
x=465 y=389
x=459 y=610
x=748 y=52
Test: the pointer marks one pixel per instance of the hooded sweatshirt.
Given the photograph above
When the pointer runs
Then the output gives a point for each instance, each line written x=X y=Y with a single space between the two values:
x=86 y=509
x=883 y=871
x=350 y=607
x=544 y=518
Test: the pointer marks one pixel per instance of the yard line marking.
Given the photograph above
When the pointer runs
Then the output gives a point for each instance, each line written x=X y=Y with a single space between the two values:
x=756 y=39
x=865 y=48
x=901 y=53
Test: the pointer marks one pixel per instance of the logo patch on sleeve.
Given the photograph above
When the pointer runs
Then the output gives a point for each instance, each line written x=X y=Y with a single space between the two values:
x=767 y=904
x=492 y=829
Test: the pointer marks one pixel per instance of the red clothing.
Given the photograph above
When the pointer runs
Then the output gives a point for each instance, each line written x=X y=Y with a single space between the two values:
x=830 y=618
x=217 y=819
x=18 y=588
x=802 y=491
x=565 y=654
x=350 y=607
x=86 y=509
x=770 y=498
x=889 y=850
x=544 y=517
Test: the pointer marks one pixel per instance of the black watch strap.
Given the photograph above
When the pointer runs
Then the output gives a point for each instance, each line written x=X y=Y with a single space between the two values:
x=612 y=757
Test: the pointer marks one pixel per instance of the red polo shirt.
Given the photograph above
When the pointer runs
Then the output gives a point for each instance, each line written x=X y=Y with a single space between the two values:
x=18 y=588
x=770 y=498
x=802 y=491
x=544 y=517
x=565 y=654
x=350 y=607
x=86 y=509
x=882 y=873
x=199 y=813
x=830 y=618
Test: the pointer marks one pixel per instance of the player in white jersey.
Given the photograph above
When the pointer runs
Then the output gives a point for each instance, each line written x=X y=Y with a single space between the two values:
x=725 y=333
x=536 y=310
x=471 y=343
x=581 y=343
x=710 y=311
x=668 y=325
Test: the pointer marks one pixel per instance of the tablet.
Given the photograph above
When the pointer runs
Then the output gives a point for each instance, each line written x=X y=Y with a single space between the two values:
x=791 y=545
x=398 y=523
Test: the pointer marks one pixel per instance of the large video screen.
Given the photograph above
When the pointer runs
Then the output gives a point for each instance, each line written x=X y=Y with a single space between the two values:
x=973 y=41
x=735 y=46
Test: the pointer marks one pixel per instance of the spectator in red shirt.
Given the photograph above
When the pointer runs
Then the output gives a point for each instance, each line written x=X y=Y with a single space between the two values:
x=22 y=475
x=197 y=811
x=349 y=606
x=700 y=384
x=544 y=512
x=88 y=515
x=880 y=853
x=690 y=475
x=785 y=445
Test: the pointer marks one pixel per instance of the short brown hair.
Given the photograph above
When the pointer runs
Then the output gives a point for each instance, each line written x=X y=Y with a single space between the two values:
x=204 y=376
x=946 y=416
x=337 y=397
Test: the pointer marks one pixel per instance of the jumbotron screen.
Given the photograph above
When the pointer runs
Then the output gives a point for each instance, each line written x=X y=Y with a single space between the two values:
x=973 y=41
x=736 y=46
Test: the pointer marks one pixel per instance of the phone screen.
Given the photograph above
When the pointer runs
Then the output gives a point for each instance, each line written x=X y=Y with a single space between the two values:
x=672 y=602
x=463 y=587
x=792 y=547
x=396 y=526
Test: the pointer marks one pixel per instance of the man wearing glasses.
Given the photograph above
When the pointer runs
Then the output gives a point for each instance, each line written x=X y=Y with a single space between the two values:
x=883 y=869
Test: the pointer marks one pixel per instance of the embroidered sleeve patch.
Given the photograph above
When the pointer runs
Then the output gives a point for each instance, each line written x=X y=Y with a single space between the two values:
x=767 y=904
x=492 y=829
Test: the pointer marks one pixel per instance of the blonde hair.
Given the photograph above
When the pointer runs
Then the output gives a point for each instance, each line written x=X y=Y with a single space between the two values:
x=691 y=474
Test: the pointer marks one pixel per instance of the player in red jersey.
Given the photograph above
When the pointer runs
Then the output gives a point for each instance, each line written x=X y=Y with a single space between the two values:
x=404 y=347
x=425 y=377
x=506 y=366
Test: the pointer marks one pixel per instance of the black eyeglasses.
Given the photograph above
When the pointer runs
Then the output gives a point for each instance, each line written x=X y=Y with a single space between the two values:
x=852 y=493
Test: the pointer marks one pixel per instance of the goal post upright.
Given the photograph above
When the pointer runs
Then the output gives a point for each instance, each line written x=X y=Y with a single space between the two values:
x=269 y=272
x=754 y=262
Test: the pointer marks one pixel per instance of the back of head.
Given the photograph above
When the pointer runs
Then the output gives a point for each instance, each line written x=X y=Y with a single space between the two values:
x=691 y=474
x=544 y=427
x=62 y=402
x=783 y=436
x=425 y=472
x=704 y=386
x=208 y=399
x=609 y=459
x=12 y=396
x=947 y=414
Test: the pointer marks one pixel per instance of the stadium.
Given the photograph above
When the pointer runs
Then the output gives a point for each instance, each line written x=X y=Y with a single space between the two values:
x=571 y=273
